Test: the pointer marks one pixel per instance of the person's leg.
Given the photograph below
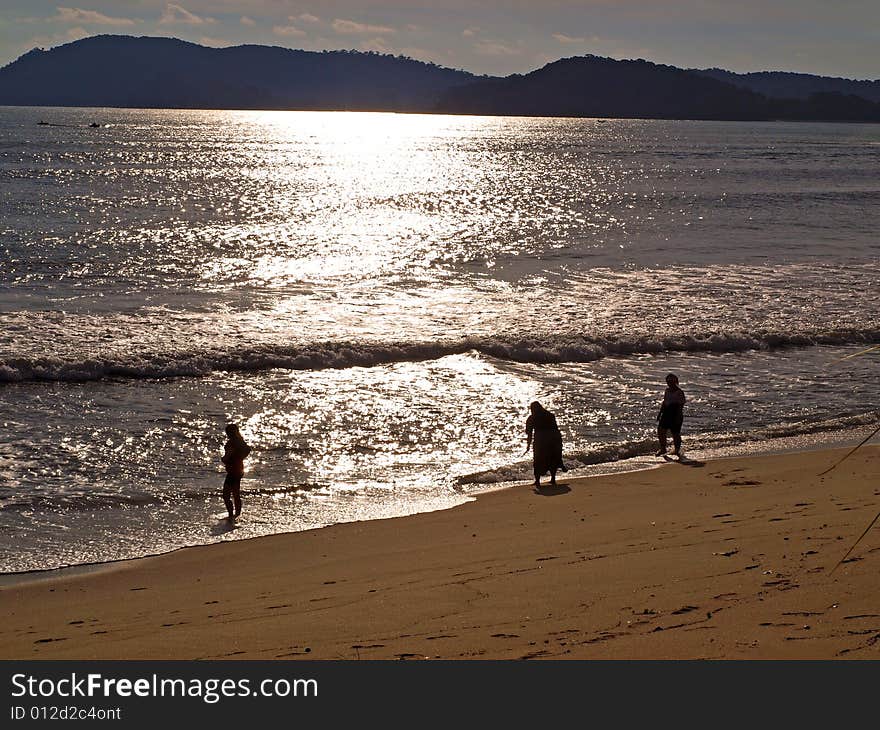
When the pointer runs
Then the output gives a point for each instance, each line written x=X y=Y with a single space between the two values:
x=676 y=440
x=537 y=473
x=661 y=435
x=553 y=477
x=227 y=495
x=236 y=496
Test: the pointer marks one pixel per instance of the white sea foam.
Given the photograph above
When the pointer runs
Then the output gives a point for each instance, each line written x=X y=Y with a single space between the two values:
x=339 y=355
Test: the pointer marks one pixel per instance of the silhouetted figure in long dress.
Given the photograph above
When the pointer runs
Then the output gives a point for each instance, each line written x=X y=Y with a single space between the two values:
x=544 y=437
x=234 y=453
x=671 y=415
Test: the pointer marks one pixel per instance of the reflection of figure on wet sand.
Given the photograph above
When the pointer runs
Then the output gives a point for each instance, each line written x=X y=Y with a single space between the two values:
x=671 y=415
x=546 y=441
x=234 y=453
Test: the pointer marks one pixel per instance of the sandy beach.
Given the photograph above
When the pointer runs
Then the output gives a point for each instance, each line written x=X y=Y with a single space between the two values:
x=731 y=559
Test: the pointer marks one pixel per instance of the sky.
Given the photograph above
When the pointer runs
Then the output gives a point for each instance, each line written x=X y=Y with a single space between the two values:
x=496 y=37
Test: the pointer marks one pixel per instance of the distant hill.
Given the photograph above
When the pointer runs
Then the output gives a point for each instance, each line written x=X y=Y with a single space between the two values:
x=127 y=71
x=591 y=86
x=787 y=85
x=124 y=71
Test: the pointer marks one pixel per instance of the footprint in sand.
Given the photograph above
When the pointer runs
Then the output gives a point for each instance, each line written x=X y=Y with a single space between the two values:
x=534 y=654
x=727 y=553
x=307 y=650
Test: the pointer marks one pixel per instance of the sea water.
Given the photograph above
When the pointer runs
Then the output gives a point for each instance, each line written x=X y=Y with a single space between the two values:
x=376 y=298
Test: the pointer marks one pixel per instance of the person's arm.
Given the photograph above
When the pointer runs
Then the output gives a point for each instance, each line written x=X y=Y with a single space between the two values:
x=240 y=451
x=530 y=428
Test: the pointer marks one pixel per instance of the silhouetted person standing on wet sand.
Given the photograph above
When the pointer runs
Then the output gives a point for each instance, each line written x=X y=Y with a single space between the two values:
x=671 y=415
x=234 y=453
x=546 y=440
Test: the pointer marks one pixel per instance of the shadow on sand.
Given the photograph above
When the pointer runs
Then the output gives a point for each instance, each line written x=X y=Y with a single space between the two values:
x=684 y=461
x=552 y=491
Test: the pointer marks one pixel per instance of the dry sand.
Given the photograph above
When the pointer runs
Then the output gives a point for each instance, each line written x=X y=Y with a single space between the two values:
x=731 y=559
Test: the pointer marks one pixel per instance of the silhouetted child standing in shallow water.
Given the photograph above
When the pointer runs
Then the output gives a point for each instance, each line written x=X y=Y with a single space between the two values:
x=671 y=415
x=234 y=453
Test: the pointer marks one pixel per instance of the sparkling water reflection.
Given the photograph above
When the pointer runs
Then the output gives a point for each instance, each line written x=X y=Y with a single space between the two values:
x=376 y=298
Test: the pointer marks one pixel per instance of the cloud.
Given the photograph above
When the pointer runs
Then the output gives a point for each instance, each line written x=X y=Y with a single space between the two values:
x=74 y=34
x=89 y=17
x=177 y=15
x=470 y=32
x=50 y=41
x=245 y=20
x=415 y=52
x=349 y=27
x=214 y=42
x=376 y=44
x=306 y=18
x=495 y=48
x=562 y=38
x=288 y=31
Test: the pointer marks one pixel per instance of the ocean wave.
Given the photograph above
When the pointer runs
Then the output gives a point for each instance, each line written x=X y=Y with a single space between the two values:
x=561 y=348
x=11 y=501
x=618 y=451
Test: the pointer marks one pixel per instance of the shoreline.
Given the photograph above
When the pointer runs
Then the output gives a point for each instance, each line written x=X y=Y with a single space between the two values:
x=800 y=443
x=673 y=562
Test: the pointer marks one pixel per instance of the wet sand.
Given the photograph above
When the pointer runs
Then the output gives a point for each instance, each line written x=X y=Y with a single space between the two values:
x=724 y=560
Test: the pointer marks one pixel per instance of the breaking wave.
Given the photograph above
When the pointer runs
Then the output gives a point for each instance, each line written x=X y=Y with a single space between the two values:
x=563 y=348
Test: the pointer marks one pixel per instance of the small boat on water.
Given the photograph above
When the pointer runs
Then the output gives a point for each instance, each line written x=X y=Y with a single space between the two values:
x=41 y=123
